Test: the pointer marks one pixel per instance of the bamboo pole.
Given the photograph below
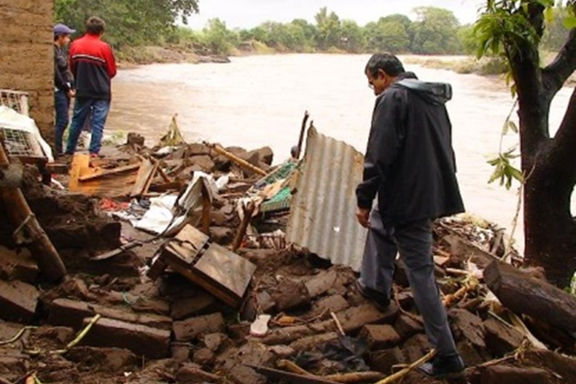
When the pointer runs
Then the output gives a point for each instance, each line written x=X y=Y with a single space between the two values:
x=22 y=217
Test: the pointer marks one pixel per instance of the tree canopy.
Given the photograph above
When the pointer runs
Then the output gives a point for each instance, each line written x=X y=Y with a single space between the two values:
x=130 y=22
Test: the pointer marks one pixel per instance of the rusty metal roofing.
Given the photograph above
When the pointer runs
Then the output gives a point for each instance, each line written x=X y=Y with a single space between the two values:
x=322 y=215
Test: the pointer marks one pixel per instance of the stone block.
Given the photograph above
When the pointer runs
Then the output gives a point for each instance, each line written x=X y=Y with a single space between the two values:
x=151 y=342
x=191 y=329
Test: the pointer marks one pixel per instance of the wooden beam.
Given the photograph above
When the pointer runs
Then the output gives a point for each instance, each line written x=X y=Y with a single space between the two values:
x=240 y=162
x=523 y=293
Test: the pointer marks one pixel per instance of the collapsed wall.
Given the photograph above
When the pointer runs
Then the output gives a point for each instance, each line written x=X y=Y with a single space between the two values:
x=27 y=55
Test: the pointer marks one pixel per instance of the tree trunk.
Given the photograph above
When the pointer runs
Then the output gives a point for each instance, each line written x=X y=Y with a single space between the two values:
x=550 y=229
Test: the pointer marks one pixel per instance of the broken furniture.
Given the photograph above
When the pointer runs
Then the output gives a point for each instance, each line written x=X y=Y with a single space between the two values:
x=212 y=267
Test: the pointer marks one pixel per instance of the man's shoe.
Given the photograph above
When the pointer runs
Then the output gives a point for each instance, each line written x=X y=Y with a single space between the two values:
x=381 y=301
x=443 y=367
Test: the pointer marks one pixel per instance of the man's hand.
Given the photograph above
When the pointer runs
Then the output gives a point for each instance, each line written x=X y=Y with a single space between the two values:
x=363 y=216
x=71 y=93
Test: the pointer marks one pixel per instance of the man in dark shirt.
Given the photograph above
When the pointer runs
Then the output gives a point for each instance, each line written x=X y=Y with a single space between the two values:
x=93 y=65
x=410 y=169
x=63 y=83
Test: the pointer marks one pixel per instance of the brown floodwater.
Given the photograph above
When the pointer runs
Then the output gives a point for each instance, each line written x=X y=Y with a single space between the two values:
x=260 y=100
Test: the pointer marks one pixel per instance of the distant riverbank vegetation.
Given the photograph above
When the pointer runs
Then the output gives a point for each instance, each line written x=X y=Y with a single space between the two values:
x=145 y=31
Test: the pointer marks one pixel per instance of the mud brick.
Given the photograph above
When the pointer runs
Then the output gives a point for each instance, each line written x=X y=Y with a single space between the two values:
x=497 y=374
x=72 y=313
x=415 y=347
x=17 y=266
x=321 y=283
x=385 y=359
x=356 y=317
x=310 y=342
x=151 y=342
x=380 y=336
x=407 y=326
x=291 y=295
x=501 y=339
x=241 y=374
x=467 y=326
x=334 y=303
x=190 y=329
x=190 y=306
x=18 y=301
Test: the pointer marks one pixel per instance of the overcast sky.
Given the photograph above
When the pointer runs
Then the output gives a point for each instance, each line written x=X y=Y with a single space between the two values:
x=250 y=13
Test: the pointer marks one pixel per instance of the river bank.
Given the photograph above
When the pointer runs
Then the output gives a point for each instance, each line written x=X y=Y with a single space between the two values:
x=179 y=54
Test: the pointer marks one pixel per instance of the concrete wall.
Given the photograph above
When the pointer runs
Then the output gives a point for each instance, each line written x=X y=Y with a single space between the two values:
x=27 y=56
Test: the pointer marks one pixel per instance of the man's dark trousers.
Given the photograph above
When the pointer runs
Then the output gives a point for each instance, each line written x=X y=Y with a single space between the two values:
x=413 y=240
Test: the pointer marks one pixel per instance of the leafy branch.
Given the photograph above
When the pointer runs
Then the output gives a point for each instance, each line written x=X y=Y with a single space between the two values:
x=504 y=170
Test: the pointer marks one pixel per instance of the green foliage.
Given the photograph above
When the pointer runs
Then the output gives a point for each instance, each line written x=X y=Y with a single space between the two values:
x=506 y=26
x=217 y=38
x=129 y=22
x=388 y=34
x=504 y=170
x=328 y=29
x=435 y=31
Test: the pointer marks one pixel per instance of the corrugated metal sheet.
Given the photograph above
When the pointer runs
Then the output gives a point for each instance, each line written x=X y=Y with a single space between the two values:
x=322 y=215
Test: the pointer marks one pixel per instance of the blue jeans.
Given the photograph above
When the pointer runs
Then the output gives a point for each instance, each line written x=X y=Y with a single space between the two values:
x=82 y=108
x=61 y=106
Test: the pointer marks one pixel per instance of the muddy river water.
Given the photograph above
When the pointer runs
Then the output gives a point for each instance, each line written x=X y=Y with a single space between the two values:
x=260 y=100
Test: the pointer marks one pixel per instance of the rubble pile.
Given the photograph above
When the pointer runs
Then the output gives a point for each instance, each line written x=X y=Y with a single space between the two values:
x=223 y=299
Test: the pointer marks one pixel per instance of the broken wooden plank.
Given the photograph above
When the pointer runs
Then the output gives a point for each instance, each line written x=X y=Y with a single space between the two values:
x=144 y=177
x=522 y=293
x=80 y=162
x=113 y=186
x=107 y=172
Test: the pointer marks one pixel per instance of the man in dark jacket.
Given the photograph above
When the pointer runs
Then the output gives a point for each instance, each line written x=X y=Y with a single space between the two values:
x=93 y=65
x=410 y=168
x=63 y=83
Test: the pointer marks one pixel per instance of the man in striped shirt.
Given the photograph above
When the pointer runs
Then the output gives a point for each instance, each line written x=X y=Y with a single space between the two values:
x=93 y=65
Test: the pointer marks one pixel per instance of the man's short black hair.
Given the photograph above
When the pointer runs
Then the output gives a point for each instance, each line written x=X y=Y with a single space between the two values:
x=386 y=62
x=95 y=25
